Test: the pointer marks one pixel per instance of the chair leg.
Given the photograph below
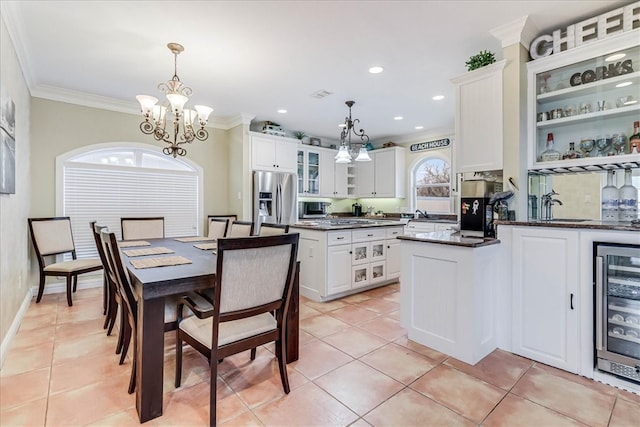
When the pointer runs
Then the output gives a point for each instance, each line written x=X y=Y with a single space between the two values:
x=134 y=366
x=253 y=353
x=40 y=288
x=125 y=345
x=178 y=359
x=69 y=302
x=282 y=364
x=105 y=299
x=112 y=314
x=123 y=321
x=75 y=283
x=213 y=387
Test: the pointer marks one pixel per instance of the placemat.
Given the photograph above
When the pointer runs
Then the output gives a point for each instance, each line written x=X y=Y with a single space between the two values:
x=132 y=243
x=206 y=246
x=164 y=261
x=194 y=239
x=148 y=251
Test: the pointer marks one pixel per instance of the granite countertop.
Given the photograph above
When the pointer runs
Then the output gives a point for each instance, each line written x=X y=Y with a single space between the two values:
x=569 y=223
x=449 y=238
x=345 y=224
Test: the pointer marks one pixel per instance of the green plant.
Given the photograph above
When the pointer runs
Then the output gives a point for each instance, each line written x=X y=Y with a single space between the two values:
x=299 y=134
x=480 y=60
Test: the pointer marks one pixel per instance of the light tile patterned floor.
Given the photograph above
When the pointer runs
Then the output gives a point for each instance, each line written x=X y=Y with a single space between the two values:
x=356 y=367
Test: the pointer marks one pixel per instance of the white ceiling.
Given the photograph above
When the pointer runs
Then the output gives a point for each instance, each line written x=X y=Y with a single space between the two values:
x=256 y=57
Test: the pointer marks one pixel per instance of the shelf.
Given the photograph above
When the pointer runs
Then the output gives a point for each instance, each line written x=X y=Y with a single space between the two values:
x=625 y=268
x=588 y=89
x=628 y=282
x=550 y=124
x=587 y=164
x=624 y=337
x=623 y=309
x=623 y=323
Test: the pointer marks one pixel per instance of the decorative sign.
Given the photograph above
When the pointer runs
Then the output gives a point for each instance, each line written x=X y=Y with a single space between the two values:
x=600 y=73
x=431 y=145
x=608 y=24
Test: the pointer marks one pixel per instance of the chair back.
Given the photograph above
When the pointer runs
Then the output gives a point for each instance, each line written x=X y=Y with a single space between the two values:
x=118 y=272
x=218 y=227
x=240 y=229
x=142 y=228
x=95 y=231
x=269 y=229
x=254 y=275
x=52 y=236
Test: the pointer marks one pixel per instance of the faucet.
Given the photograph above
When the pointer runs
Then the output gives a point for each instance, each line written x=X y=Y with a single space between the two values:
x=423 y=213
x=547 y=204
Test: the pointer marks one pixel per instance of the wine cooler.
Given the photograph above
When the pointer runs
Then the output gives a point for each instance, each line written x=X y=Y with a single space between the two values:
x=617 y=277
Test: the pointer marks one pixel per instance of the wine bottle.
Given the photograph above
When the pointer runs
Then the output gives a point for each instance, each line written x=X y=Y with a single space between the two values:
x=627 y=199
x=550 y=154
x=609 y=199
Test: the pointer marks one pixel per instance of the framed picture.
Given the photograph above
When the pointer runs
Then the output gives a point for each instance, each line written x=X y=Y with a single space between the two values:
x=314 y=141
x=7 y=143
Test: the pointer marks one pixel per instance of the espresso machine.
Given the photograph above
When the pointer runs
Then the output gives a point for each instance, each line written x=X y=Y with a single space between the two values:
x=476 y=214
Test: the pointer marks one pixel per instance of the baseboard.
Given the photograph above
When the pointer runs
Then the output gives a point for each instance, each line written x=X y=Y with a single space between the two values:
x=13 y=329
x=87 y=282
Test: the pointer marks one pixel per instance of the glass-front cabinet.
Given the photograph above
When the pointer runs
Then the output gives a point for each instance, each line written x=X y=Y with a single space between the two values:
x=582 y=107
x=308 y=172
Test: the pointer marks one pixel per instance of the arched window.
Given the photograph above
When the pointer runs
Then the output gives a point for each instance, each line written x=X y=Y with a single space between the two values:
x=105 y=182
x=431 y=185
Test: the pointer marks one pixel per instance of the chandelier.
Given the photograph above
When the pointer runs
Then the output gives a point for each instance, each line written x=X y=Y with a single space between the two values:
x=347 y=149
x=155 y=114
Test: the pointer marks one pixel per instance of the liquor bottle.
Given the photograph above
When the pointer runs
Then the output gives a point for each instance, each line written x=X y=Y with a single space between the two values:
x=571 y=153
x=549 y=155
x=627 y=199
x=634 y=140
x=609 y=199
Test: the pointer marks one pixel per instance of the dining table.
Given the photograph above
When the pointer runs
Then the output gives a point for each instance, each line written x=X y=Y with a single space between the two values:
x=152 y=286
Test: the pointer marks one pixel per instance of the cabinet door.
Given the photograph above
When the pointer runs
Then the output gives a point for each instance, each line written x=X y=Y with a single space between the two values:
x=341 y=181
x=338 y=269
x=301 y=169
x=360 y=253
x=479 y=119
x=285 y=156
x=365 y=178
x=327 y=175
x=360 y=275
x=385 y=173
x=393 y=258
x=545 y=281
x=378 y=250
x=313 y=172
x=378 y=272
x=263 y=153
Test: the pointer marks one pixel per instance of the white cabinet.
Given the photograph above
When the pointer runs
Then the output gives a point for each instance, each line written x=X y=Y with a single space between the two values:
x=579 y=97
x=545 y=284
x=478 y=119
x=333 y=176
x=428 y=227
x=308 y=168
x=338 y=268
x=384 y=175
x=393 y=253
x=273 y=153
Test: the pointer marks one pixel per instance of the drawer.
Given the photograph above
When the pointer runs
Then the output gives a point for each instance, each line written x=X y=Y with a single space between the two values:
x=368 y=234
x=338 y=238
x=394 y=232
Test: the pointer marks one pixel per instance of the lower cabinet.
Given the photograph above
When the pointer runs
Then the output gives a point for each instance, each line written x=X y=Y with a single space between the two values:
x=338 y=268
x=545 y=270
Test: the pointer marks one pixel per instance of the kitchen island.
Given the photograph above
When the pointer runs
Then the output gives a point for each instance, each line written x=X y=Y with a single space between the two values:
x=448 y=295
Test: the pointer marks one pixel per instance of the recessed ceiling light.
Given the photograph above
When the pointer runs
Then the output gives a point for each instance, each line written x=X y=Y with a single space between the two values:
x=615 y=57
x=623 y=84
x=398 y=118
x=282 y=111
x=438 y=97
x=376 y=70
x=419 y=127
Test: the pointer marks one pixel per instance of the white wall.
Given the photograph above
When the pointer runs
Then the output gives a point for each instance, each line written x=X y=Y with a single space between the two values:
x=14 y=208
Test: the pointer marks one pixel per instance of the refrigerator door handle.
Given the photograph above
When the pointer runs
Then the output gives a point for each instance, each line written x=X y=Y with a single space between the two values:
x=279 y=203
x=600 y=316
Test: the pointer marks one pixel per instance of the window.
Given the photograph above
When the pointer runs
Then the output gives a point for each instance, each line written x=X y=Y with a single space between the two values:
x=432 y=185
x=105 y=184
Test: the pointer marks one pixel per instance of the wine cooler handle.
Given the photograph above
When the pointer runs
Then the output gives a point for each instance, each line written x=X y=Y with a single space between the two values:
x=571 y=301
x=599 y=308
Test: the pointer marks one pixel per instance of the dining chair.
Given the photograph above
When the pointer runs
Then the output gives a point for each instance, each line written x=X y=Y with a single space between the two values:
x=254 y=279
x=53 y=236
x=270 y=229
x=109 y=287
x=142 y=228
x=218 y=227
x=240 y=229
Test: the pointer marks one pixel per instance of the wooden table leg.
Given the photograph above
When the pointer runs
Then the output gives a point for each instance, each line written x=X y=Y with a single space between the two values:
x=294 y=319
x=150 y=358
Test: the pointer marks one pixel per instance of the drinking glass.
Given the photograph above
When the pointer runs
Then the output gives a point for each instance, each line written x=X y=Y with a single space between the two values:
x=586 y=146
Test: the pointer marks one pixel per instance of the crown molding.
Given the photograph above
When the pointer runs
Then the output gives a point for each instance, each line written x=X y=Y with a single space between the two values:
x=522 y=30
x=12 y=24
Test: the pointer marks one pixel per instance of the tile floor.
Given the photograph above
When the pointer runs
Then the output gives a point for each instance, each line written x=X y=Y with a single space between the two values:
x=356 y=367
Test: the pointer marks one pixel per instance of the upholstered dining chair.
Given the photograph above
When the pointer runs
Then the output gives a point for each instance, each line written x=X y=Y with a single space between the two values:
x=53 y=236
x=254 y=279
x=270 y=229
x=109 y=287
x=240 y=229
x=142 y=228
x=218 y=227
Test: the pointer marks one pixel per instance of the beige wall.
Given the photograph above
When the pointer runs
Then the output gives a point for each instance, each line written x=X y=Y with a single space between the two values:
x=14 y=208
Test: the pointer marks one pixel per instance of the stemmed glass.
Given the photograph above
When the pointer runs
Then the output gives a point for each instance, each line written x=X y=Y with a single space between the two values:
x=586 y=146
x=603 y=144
x=619 y=142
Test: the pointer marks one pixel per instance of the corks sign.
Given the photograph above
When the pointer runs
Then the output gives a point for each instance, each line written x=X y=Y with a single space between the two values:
x=431 y=145
x=600 y=27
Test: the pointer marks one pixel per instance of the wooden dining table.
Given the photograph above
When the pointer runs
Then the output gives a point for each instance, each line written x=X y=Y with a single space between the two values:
x=152 y=285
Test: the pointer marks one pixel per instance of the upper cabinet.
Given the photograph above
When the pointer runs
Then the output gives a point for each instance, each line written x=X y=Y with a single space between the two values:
x=273 y=153
x=308 y=171
x=586 y=97
x=333 y=176
x=478 y=119
x=384 y=176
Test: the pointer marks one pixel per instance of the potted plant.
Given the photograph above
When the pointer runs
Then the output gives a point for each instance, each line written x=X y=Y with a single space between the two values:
x=480 y=60
x=299 y=135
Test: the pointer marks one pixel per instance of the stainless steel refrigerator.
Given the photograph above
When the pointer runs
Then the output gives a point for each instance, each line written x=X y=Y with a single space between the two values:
x=275 y=197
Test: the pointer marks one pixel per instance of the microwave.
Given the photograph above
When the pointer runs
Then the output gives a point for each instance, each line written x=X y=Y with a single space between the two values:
x=312 y=209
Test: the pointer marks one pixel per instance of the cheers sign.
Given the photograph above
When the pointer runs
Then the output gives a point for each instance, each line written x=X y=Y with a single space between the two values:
x=431 y=145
